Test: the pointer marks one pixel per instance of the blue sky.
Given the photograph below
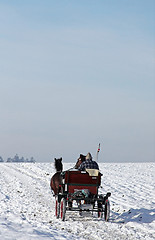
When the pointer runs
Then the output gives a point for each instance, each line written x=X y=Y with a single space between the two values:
x=77 y=73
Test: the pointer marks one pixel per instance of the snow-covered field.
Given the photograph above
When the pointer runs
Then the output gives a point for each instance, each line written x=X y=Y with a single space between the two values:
x=27 y=207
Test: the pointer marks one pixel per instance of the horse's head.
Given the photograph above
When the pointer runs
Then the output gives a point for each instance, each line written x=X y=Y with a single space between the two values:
x=81 y=159
x=58 y=164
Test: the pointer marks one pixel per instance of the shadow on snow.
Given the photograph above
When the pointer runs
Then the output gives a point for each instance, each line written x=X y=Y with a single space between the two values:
x=135 y=215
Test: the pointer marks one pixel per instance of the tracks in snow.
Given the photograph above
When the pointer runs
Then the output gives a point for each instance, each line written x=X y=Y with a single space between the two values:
x=26 y=199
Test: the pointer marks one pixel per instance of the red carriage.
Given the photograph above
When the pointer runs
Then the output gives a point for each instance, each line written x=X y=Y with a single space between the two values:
x=78 y=191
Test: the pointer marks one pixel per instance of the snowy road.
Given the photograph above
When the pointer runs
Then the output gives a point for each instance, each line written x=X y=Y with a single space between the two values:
x=27 y=205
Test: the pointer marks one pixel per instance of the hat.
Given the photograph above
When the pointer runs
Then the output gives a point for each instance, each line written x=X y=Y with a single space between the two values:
x=89 y=156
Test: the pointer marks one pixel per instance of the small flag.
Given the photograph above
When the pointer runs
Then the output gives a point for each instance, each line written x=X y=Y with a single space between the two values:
x=98 y=148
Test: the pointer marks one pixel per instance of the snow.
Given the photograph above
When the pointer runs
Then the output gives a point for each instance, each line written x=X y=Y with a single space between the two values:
x=27 y=206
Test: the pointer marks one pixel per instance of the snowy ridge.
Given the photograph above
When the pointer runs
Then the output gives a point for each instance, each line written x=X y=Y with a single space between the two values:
x=28 y=208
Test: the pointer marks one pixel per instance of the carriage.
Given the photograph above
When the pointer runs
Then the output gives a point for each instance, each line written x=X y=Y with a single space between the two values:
x=78 y=191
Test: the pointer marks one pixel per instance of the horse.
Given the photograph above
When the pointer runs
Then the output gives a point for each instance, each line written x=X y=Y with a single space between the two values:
x=56 y=178
x=81 y=159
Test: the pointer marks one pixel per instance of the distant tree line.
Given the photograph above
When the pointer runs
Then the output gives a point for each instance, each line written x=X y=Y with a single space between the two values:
x=16 y=158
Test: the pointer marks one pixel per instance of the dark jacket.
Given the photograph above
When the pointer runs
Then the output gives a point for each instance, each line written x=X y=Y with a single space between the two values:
x=88 y=164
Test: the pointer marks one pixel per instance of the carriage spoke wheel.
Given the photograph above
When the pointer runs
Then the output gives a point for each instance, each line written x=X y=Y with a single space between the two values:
x=63 y=209
x=107 y=210
x=57 y=208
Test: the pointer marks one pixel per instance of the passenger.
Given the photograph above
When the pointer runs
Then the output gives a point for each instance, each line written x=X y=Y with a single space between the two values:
x=80 y=160
x=88 y=164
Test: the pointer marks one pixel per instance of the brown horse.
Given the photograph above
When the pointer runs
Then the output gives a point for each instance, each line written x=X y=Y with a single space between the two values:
x=56 y=178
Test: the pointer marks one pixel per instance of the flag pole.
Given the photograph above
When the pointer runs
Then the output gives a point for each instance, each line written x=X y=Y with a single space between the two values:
x=98 y=149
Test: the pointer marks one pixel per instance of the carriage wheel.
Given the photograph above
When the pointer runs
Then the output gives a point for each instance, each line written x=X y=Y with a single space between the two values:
x=107 y=210
x=57 y=208
x=63 y=209
x=100 y=212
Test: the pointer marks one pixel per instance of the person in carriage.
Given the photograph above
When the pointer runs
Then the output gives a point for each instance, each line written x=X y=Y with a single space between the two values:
x=87 y=163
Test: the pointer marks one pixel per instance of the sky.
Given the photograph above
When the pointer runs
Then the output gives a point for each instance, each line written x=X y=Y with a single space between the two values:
x=74 y=74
